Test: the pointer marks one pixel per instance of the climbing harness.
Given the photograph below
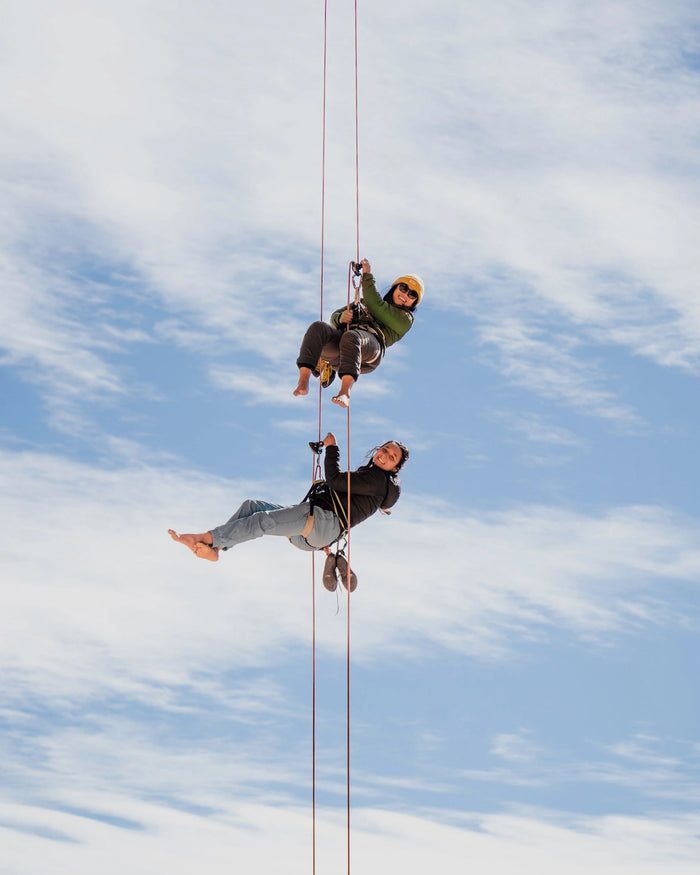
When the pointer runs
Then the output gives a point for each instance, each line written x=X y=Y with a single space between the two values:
x=322 y=495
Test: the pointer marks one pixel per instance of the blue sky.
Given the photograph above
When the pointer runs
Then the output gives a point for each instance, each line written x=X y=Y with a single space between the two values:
x=525 y=631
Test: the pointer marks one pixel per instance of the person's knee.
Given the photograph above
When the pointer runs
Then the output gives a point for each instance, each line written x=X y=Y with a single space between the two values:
x=319 y=329
x=350 y=342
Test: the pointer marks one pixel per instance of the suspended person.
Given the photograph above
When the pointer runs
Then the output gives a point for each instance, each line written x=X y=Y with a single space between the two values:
x=321 y=518
x=358 y=336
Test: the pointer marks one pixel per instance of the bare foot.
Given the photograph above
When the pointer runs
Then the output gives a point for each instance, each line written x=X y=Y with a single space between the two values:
x=342 y=399
x=200 y=545
x=206 y=551
x=303 y=384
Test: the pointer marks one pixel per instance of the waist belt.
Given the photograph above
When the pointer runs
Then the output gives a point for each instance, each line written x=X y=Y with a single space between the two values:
x=321 y=495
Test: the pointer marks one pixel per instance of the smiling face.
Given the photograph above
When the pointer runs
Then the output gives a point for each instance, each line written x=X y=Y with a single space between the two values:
x=404 y=296
x=388 y=457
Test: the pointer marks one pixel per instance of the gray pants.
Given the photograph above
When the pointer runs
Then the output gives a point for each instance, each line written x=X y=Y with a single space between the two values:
x=353 y=352
x=254 y=518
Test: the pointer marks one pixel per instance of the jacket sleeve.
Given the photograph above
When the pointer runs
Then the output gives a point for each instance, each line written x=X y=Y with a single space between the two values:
x=393 y=492
x=370 y=481
x=396 y=319
x=335 y=317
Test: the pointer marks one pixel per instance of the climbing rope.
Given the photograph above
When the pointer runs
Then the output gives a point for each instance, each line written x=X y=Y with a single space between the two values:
x=357 y=297
x=316 y=469
x=316 y=472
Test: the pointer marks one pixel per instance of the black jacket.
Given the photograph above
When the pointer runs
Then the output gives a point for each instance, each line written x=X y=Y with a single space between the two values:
x=370 y=487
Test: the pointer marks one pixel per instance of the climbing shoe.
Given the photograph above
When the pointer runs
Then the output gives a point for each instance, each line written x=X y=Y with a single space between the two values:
x=330 y=581
x=326 y=374
x=341 y=563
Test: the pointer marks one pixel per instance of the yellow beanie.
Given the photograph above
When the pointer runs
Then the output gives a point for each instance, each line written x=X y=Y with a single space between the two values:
x=414 y=282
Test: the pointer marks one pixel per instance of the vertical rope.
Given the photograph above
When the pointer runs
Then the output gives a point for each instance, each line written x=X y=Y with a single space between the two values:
x=357 y=147
x=323 y=150
x=316 y=464
x=351 y=285
x=347 y=582
x=313 y=719
x=347 y=671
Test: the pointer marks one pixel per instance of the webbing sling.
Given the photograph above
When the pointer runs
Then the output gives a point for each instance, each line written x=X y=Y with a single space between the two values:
x=320 y=489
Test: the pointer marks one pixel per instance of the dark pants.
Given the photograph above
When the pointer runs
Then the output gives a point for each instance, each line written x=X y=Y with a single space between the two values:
x=352 y=352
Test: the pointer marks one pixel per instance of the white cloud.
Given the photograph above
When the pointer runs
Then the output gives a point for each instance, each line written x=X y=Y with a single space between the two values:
x=657 y=768
x=471 y=581
x=269 y=388
x=254 y=836
x=640 y=749
x=538 y=429
x=515 y=747
x=513 y=154
x=98 y=596
x=549 y=366
x=169 y=201
x=276 y=387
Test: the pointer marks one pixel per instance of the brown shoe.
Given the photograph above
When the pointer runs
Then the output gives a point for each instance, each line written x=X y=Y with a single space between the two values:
x=341 y=563
x=330 y=580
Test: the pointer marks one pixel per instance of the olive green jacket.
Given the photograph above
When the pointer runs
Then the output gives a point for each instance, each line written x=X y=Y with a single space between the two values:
x=391 y=321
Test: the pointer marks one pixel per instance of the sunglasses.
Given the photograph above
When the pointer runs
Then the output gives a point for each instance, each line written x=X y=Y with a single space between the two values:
x=402 y=287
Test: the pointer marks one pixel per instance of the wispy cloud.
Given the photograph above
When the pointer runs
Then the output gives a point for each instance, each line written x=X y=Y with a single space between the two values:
x=160 y=244
x=150 y=835
x=108 y=601
x=549 y=366
x=515 y=747
x=276 y=387
x=539 y=430
x=658 y=768
x=537 y=166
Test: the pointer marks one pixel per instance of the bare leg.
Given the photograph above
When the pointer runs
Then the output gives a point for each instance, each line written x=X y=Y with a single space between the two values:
x=200 y=545
x=303 y=384
x=342 y=399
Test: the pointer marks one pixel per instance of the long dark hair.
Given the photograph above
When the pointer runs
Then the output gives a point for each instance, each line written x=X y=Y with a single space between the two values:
x=389 y=298
x=404 y=453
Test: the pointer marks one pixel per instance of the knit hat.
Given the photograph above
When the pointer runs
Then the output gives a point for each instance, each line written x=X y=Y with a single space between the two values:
x=414 y=282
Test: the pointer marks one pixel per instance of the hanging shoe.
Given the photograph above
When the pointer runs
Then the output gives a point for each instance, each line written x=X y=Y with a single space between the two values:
x=327 y=374
x=341 y=563
x=330 y=580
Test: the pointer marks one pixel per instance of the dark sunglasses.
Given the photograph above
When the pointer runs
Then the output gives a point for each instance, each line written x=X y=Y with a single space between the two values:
x=402 y=287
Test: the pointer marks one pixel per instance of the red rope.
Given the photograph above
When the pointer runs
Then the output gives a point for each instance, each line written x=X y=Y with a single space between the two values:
x=316 y=465
x=347 y=679
x=357 y=146
x=347 y=581
x=351 y=285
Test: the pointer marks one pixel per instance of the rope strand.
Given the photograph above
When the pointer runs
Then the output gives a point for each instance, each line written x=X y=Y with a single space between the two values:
x=347 y=582
x=357 y=147
x=316 y=465
x=347 y=672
